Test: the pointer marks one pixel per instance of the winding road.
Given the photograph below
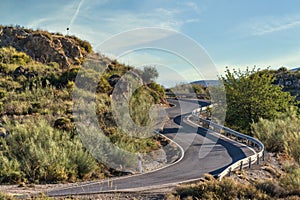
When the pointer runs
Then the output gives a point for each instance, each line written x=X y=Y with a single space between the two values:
x=204 y=152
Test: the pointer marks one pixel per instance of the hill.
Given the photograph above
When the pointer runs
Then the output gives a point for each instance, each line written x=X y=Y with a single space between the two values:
x=45 y=47
x=295 y=69
x=38 y=137
x=206 y=83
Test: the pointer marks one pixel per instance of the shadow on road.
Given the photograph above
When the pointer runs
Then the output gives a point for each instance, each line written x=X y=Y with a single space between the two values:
x=233 y=149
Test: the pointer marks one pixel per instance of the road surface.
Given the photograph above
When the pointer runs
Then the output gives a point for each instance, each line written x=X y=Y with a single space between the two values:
x=203 y=153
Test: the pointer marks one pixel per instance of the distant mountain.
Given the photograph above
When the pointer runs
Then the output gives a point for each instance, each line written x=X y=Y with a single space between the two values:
x=206 y=83
x=295 y=69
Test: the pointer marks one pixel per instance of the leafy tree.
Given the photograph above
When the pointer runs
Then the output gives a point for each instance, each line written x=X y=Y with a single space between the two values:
x=251 y=95
x=149 y=74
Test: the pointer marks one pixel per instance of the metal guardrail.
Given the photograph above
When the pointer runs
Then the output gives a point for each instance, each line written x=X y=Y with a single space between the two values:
x=254 y=143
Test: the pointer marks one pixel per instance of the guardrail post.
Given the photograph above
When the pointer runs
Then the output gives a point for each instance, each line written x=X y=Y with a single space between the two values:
x=229 y=172
x=250 y=163
x=140 y=163
x=239 y=137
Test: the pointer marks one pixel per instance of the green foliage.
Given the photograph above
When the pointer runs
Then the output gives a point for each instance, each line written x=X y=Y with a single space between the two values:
x=86 y=45
x=281 y=134
x=251 y=95
x=5 y=197
x=103 y=86
x=291 y=180
x=9 y=55
x=157 y=88
x=149 y=74
x=271 y=188
x=222 y=190
x=288 y=188
x=140 y=104
x=43 y=145
x=82 y=43
x=9 y=169
x=36 y=151
x=63 y=123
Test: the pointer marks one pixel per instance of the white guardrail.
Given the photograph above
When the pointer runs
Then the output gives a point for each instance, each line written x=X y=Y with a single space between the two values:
x=254 y=143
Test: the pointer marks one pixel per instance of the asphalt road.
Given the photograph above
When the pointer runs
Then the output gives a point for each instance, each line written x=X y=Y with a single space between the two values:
x=204 y=152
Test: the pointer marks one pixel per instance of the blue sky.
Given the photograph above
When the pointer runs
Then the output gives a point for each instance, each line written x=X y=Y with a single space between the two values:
x=234 y=33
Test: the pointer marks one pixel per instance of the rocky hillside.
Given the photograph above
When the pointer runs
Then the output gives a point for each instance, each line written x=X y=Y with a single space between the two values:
x=39 y=142
x=45 y=47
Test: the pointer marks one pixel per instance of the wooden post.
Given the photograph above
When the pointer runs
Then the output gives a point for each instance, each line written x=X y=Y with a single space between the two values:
x=229 y=172
x=249 y=162
x=140 y=163
x=241 y=166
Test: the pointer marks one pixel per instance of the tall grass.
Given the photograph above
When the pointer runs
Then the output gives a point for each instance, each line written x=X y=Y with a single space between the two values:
x=35 y=151
x=281 y=134
x=227 y=189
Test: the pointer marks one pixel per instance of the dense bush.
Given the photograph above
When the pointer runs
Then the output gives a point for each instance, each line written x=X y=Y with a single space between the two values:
x=157 y=88
x=43 y=145
x=223 y=190
x=251 y=95
x=9 y=55
x=231 y=189
x=35 y=151
x=291 y=180
x=281 y=134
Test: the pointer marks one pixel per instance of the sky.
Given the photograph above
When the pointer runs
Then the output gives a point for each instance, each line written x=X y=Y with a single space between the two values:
x=185 y=40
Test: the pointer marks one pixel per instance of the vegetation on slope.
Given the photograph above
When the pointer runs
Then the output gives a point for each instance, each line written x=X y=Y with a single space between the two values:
x=258 y=107
x=250 y=95
x=289 y=80
x=38 y=138
x=194 y=90
x=227 y=189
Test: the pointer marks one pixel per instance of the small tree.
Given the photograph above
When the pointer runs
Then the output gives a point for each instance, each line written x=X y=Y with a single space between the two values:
x=251 y=95
x=149 y=74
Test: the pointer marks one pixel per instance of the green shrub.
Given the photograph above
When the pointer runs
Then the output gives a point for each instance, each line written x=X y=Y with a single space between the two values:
x=271 y=188
x=9 y=55
x=157 y=88
x=223 y=190
x=140 y=103
x=5 y=197
x=38 y=152
x=63 y=123
x=281 y=134
x=10 y=170
x=291 y=180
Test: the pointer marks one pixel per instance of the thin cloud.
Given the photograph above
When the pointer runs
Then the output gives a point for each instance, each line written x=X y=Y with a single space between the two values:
x=275 y=28
x=192 y=6
x=99 y=26
x=271 y=25
x=76 y=13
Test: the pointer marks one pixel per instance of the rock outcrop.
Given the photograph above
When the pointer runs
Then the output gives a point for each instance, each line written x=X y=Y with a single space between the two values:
x=45 y=47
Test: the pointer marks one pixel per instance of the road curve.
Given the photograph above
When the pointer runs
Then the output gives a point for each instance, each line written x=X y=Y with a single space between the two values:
x=204 y=152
